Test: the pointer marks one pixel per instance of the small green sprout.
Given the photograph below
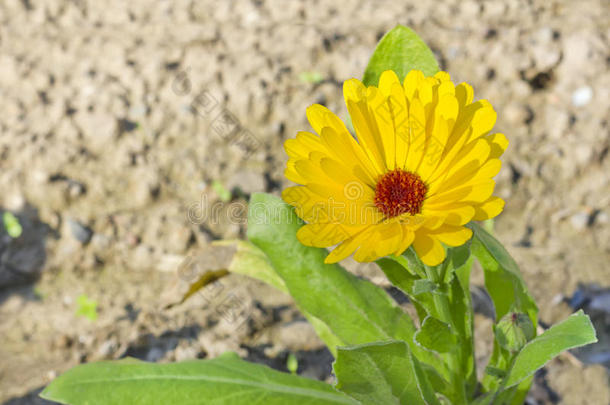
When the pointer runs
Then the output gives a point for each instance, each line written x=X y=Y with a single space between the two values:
x=292 y=363
x=311 y=77
x=12 y=225
x=87 y=307
x=221 y=191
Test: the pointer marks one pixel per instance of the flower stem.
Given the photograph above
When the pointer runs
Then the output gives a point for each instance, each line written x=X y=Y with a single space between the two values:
x=441 y=302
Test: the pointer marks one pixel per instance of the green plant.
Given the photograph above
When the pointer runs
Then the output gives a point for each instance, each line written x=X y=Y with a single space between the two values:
x=382 y=355
x=311 y=77
x=12 y=225
x=86 y=307
x=221 y=191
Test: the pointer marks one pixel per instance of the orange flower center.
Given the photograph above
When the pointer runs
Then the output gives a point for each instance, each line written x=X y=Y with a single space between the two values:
x=398 y=192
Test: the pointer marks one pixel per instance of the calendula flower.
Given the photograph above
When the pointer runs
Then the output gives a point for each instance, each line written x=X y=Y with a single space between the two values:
x=419 y=168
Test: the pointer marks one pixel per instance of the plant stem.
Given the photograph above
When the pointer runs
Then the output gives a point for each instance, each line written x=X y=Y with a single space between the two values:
x=441 y=302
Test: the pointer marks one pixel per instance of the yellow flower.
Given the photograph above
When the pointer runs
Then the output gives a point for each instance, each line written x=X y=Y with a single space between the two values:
x=420 y=168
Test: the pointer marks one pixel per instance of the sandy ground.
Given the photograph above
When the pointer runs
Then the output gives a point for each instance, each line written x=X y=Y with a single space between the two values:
x=118 y=117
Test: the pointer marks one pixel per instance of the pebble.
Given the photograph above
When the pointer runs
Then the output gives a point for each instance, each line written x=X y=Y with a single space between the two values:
x=76 y=189
x=14 y=201
x=582 y=96
x=298 y=335
x=155 y=354
x=81 y=233
x=580 y=220
x=106 y=349
x=183 y=353
x=545 y=56
x=515 y=113
x=100 y=241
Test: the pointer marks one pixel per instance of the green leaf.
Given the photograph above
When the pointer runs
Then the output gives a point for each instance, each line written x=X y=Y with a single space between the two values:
x=411 y=262
x=355 y=310
x=436 y=335
x=221 y=191
x=575 y=331
x=423 y=286
x=513 y=396
x=12 y=225
x=331 y=340
x=514 y=331
x=252 y=262
x=396 y=271
x=224 y=380
x=502 y=276
x=400 y=50
x=506 y=288
x=382 y=373
x=311 y=77
x=495 y=372
x=86 y=307
x=520 y=391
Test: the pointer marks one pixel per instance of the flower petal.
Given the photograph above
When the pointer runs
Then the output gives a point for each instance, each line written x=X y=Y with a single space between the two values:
x=428 y=248
x=380 y=115
x=320 y=117
x=383 y=240
x=452 y=235
x=498 y=143
x=325 y=234
x=453 y=214
x=347 y=247
x=406 y=240
x=489 y=209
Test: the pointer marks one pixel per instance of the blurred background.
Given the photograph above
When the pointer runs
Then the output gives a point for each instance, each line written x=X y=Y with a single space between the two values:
x=122 y=123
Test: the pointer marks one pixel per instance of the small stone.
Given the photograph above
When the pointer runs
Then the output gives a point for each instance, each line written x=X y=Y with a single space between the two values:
x=106 y=349
x=516 y=113
x=298 y=335
x=170 y=262
x=545 y=57
x=14 y=201
x=81 y=233
x=76 y=189
x=100 y=241
x=184 y=352
x=543 y=35
x=155 y=354
x=582 y=96
x=580 y=220
x=142 y=257
x=99 y=129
